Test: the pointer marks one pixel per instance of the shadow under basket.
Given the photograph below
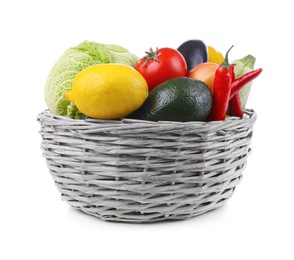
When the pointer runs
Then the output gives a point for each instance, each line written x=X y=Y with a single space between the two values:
x=141 y=171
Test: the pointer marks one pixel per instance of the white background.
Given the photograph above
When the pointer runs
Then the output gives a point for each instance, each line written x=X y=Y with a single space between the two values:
x=256 y=223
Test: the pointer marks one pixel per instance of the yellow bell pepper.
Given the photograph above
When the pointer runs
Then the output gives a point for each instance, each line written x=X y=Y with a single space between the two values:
x=214 y=55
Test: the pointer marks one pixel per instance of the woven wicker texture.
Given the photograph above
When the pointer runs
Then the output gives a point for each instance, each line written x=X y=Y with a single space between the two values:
x=141 y=171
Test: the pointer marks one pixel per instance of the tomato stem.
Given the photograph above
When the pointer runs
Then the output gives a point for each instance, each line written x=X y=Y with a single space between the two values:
x=151 y=55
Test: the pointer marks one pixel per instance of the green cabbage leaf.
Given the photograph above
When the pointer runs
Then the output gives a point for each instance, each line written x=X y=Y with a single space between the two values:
x=73 y=61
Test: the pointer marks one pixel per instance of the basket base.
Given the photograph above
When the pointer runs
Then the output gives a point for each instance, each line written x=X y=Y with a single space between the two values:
x=167 y=213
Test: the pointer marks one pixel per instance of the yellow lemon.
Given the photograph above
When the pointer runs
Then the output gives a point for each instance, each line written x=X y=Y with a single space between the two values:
x=214 y=55
x=108 y=91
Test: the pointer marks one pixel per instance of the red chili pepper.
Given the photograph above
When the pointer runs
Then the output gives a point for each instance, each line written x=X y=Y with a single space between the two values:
x=243 y=80
x=235 y=106
x=233 y=73
x=221 y=90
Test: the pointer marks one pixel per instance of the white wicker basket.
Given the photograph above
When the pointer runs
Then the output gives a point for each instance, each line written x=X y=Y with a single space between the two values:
x=141 y=171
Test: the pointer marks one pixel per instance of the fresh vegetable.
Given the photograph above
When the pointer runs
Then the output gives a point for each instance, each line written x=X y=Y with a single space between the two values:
x=242 y=85
x=214 y=55
x=161 y=65
x=239 y=83
x=194 y=52
x=204 y=72
x=242 y=66
x=108 y=91
x=221 y=90
x=180 y=99
x=71 y=63
x=235 y=107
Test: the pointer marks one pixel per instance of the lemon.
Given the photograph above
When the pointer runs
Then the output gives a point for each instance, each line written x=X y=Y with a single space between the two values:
x=108 y=91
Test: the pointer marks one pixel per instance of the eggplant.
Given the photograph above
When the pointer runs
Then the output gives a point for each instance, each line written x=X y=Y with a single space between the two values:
x=194 y=52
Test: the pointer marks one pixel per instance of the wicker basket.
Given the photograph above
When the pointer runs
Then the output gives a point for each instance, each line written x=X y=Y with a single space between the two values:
x=141 y=171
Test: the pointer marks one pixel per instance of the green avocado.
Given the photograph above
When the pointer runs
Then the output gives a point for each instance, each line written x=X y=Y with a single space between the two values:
x=180 y=99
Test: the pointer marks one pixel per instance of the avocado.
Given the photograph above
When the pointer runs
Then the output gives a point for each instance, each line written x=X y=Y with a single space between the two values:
x=180 y=99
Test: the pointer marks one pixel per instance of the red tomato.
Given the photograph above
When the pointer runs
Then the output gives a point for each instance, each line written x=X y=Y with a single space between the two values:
x=161 y=65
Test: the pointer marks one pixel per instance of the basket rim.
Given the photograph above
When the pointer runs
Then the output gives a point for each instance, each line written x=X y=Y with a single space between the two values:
x=248 y=115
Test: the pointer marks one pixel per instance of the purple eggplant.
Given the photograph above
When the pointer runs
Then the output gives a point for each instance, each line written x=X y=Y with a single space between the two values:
x=194 y=52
